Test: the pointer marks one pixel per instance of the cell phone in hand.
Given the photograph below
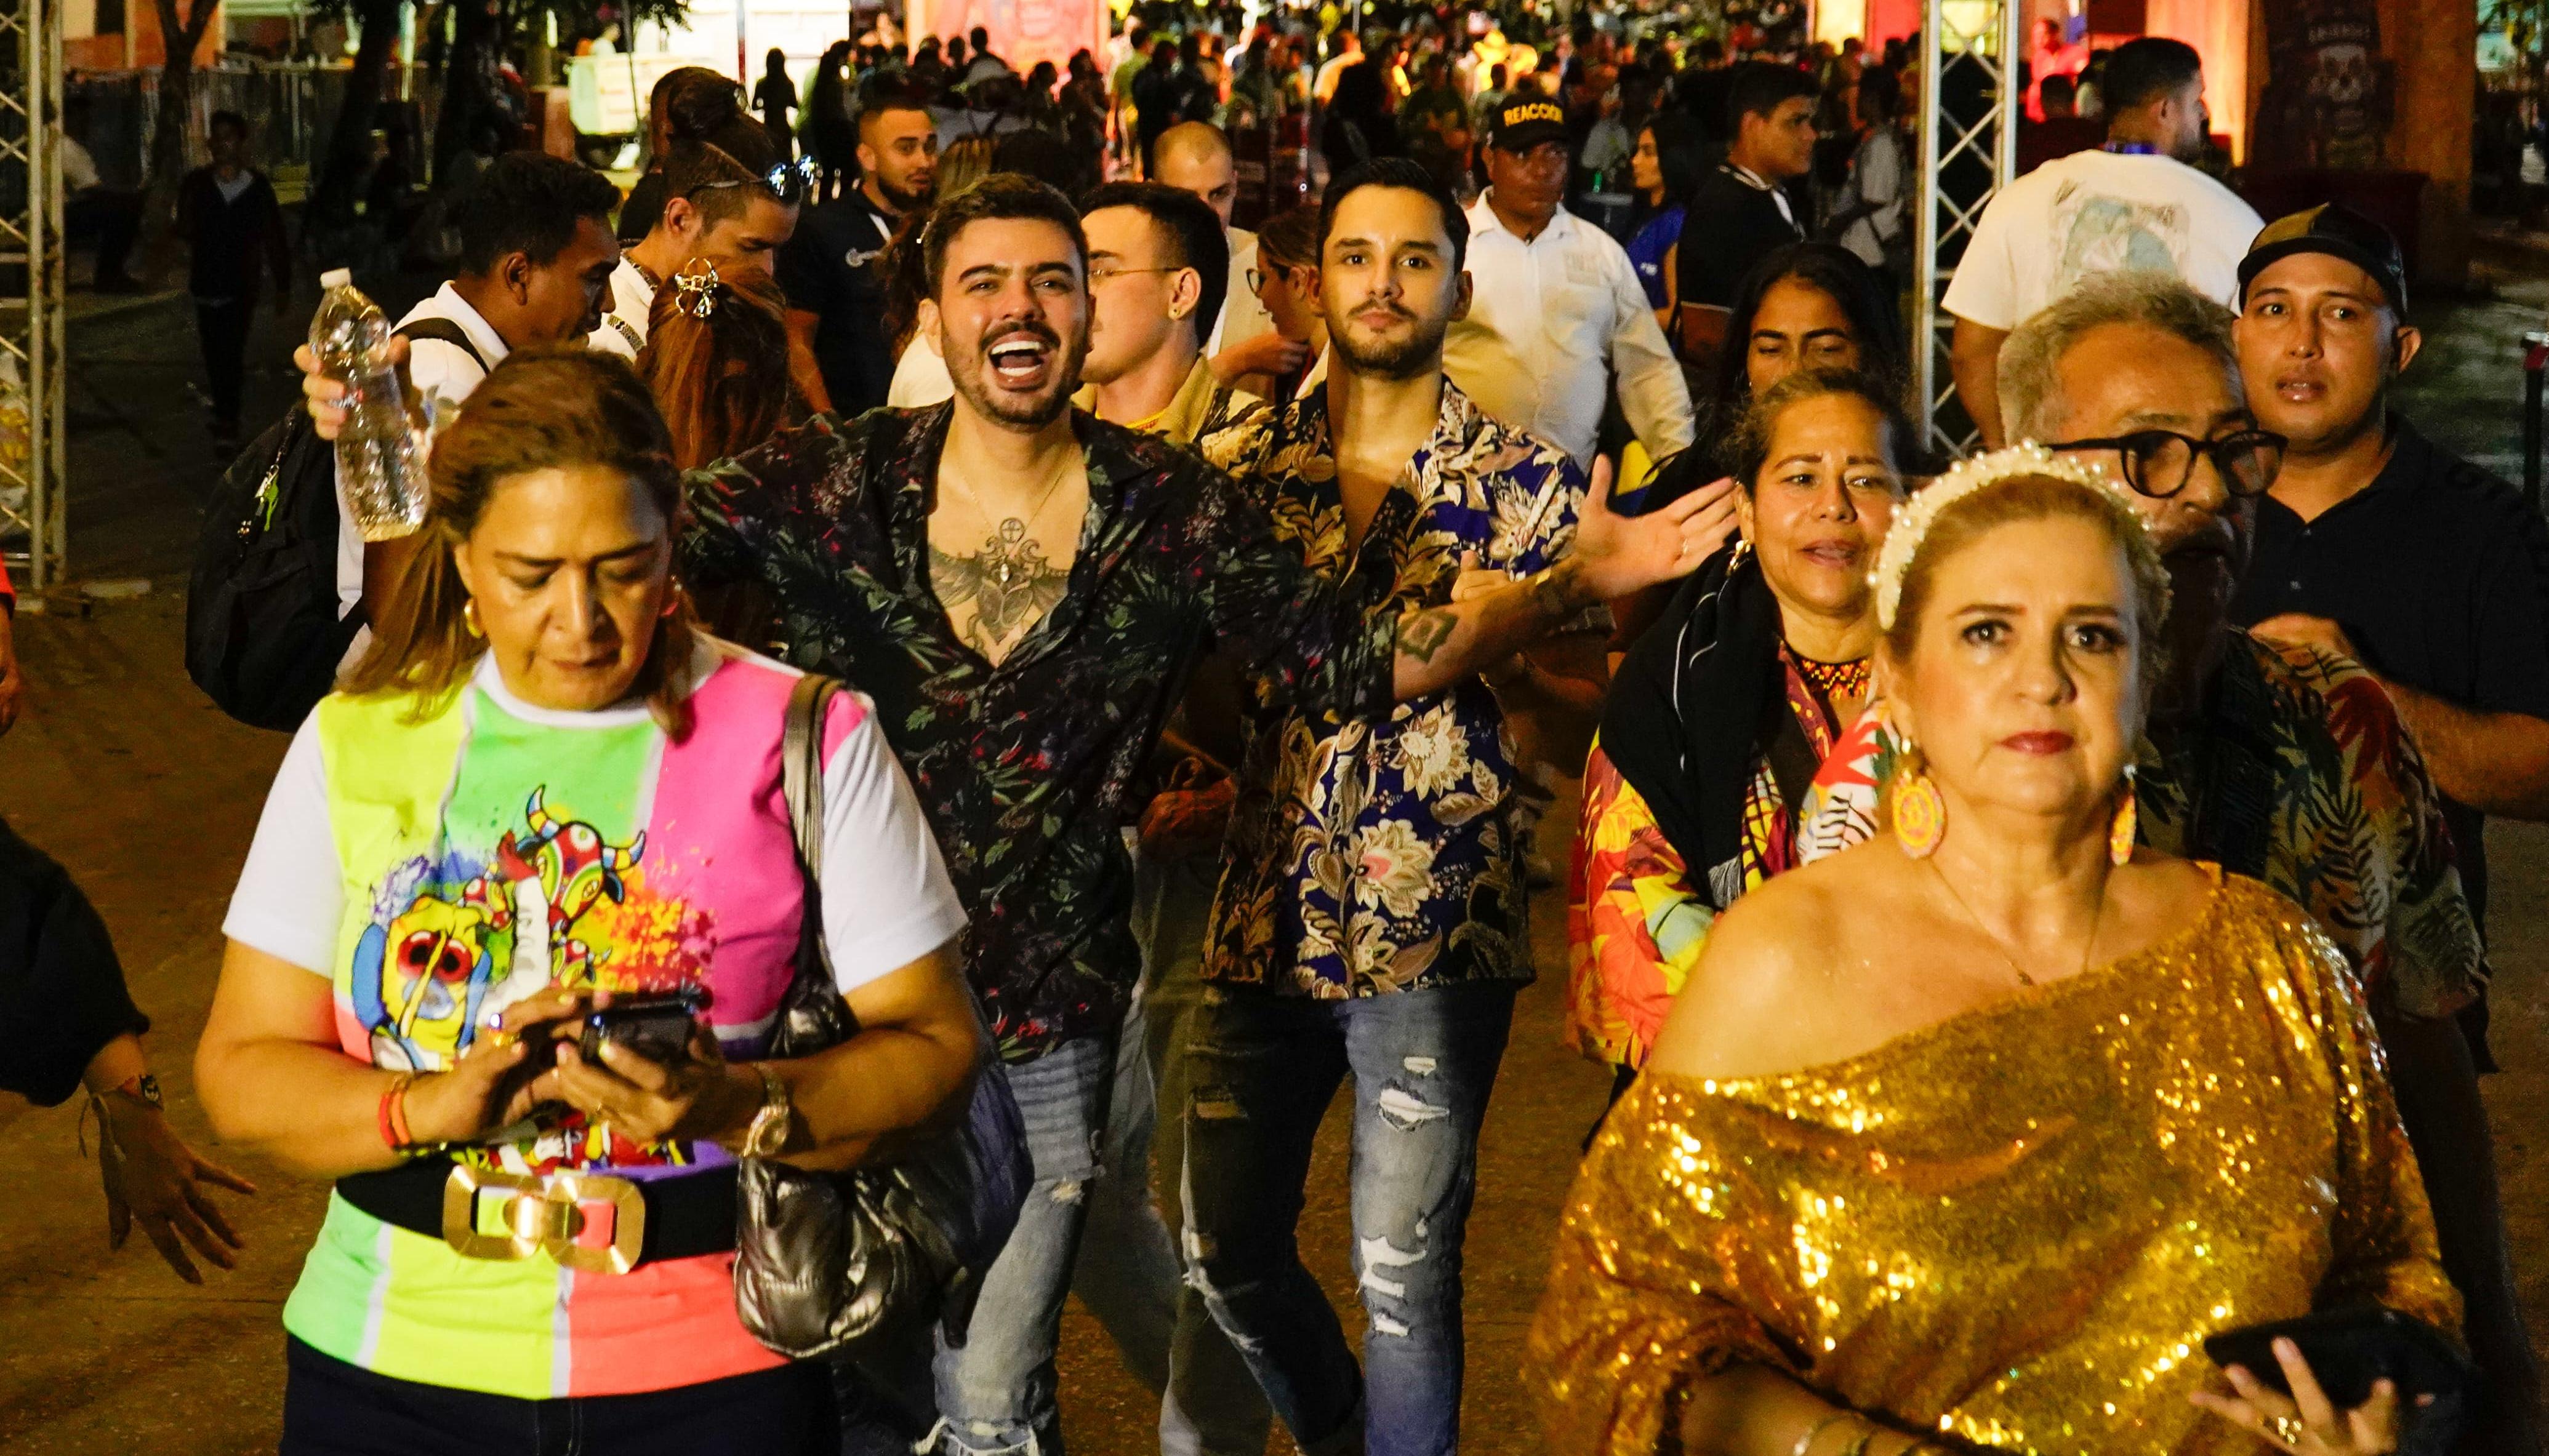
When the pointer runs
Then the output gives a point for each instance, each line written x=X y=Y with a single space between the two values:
x=657 y=1028
x=2348 y=1351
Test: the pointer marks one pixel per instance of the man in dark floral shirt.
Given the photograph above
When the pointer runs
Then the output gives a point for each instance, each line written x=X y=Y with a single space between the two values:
x=1370 y=918
x=1024 y=589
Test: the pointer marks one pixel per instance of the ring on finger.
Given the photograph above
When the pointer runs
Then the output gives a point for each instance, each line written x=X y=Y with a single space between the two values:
x=2289 y=1429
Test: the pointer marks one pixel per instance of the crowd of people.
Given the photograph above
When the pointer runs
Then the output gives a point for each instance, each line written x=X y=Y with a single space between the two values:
x=2031 y=907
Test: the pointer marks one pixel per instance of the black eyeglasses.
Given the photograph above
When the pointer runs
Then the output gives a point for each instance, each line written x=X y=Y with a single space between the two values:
x=2159 y=462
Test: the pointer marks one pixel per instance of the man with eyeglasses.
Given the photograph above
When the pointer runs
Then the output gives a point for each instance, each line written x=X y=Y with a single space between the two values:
x=730 y=199
x=1557 y=311
x=2283 y=761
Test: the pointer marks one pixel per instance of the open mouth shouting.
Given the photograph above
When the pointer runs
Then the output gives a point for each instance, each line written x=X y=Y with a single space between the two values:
x=1023 y=358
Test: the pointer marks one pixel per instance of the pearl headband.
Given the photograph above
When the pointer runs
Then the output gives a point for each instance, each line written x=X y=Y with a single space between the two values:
x=1912 y=520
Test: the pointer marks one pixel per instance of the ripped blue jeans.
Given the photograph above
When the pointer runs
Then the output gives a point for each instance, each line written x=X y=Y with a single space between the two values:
x=1262 y=1068
x=1089 y=1226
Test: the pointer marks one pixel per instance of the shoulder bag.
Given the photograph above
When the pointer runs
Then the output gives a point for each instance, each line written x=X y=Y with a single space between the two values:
x=864 y=1262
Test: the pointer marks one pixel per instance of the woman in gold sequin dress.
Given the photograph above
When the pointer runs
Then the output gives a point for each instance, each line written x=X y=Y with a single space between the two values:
x=1966 y=1137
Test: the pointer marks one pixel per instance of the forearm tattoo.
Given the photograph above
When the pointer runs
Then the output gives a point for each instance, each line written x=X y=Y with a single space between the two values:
x=1008 y=585
x=1421 y=634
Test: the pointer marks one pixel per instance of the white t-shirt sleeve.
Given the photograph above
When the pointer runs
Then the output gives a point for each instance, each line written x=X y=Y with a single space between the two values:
x=443 y=374
x=887 y=899
x=1985 y=288
x=291 y=893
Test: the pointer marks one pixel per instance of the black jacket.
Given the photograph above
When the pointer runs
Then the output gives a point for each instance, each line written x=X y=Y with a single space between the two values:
x=62 y=989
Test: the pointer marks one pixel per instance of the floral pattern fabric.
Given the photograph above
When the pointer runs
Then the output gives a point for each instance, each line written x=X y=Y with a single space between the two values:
x=1635 y=926
x=2303 y=778
x=1029 y=771
x=1366 y=857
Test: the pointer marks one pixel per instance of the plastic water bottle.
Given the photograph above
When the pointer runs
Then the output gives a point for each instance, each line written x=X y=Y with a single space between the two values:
x=380 y=463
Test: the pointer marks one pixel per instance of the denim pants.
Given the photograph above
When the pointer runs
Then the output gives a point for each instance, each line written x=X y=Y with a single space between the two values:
x=1088 y=1227
x=1261 y=1070
x=1213 y=1408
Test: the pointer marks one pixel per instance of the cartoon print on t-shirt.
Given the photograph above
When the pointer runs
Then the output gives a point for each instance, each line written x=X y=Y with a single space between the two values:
x=2109 y=234
x=458 y=937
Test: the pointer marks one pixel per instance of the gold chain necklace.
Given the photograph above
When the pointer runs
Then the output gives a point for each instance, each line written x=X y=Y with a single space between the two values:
x=2096 y=918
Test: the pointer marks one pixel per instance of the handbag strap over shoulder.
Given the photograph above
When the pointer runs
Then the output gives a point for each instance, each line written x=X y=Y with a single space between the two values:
x=800 y=780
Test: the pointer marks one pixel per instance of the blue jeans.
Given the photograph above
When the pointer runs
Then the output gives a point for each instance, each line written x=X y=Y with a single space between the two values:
x=1213 y=1406
x=1088 y=1227
x=1262 y=1068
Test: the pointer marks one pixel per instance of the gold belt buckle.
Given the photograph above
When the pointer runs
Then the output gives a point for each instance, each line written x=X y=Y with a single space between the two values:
x=544 y=1215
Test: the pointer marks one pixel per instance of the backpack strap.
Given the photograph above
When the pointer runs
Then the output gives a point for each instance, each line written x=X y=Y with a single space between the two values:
x=443 y=331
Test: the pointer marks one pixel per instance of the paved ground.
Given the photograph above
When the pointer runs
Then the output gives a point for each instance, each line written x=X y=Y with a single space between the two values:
x=149 y=794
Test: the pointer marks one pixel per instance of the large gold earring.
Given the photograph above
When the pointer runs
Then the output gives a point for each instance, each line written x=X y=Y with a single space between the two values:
x=469 y=617
x=1919 y=814
x=2127 y=827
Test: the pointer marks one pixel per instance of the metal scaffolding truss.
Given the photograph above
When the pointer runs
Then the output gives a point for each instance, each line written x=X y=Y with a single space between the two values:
x=1968 y=139
x=31 y=264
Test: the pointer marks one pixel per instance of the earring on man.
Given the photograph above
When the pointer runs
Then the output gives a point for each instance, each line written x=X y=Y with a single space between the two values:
x=2125 y=826
x=469 y=617
x=1919 y=814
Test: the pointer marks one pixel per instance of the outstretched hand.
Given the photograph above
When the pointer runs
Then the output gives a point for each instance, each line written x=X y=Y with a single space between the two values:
x=1621 y=554
x=155 y=1180
x=2305 y=1422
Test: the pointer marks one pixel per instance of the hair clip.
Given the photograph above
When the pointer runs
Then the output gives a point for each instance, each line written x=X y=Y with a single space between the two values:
x=696 y=288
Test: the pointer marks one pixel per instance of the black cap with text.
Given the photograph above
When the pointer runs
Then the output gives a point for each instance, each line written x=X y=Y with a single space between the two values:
x=1525 y=122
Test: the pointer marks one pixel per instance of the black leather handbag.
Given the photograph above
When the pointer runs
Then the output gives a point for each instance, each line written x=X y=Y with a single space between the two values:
x=866 y=1261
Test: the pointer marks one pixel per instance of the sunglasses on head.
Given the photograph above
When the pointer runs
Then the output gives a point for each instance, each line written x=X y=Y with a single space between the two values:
x=787 y=181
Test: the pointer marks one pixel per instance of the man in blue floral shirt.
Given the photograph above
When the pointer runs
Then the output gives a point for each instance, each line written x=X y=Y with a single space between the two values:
x=1370 y=917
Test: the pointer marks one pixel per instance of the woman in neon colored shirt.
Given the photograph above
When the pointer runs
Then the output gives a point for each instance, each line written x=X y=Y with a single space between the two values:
x=544 y=786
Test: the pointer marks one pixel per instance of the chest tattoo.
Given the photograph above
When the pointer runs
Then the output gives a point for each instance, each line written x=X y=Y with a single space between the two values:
x=995 y=594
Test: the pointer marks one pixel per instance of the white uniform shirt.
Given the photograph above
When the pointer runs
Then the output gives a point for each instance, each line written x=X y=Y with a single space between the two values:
x=632 y=303
x=2100 y=212
x=1551 y=320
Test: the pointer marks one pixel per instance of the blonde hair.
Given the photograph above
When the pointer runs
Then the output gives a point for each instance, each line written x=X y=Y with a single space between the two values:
x=1958 y=522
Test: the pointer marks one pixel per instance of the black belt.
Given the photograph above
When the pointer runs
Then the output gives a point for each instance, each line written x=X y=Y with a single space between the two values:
x=685 y=1217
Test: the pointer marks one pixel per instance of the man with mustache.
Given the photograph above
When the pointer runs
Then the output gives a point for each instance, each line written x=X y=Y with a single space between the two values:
x=1371 y=918
x=831 y=269
x=2286 y=762
x=1024 y=589
x=2379 y=545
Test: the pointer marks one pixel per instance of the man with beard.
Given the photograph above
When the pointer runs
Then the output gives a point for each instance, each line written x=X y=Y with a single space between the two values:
x=2282 y=762
x=1024 y=589
x=829 y=270
x=1372 y=914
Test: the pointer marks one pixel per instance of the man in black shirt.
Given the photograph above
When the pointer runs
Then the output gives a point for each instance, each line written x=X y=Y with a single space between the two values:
x=1739 y=214
x=2380 y=545
x=829 y=269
